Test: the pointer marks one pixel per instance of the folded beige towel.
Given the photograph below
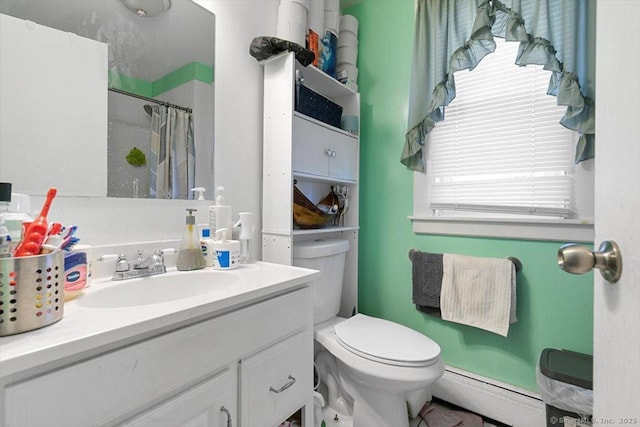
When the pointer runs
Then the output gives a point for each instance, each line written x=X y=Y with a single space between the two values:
x=479 y=292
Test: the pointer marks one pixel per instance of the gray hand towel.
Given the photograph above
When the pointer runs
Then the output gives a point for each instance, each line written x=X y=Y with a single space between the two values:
x=427 y=278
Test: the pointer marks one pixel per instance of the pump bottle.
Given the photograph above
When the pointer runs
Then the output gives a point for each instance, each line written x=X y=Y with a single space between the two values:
x=220 y=215
x=190 y=254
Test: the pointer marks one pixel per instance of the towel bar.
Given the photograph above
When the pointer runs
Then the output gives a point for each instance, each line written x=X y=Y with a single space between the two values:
x=516 y=262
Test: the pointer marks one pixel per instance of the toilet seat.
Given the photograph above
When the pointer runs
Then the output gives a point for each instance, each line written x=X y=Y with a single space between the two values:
x=386 y=342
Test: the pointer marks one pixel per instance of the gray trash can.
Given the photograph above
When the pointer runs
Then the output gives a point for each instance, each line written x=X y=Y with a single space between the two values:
x=565 y=380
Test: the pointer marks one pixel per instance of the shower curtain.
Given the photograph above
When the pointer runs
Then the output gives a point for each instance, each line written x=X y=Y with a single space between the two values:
x=172 y=160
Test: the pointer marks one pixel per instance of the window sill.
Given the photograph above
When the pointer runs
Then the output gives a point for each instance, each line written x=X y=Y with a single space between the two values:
x=525 y=229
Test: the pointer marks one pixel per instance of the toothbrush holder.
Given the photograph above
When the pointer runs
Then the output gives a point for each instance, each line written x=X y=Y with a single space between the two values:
x=31 y=292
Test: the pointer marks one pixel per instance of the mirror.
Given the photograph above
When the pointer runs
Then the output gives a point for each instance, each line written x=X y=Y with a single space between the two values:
x=162 y=61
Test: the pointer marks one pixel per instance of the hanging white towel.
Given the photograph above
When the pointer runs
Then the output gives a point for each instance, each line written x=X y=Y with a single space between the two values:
x=479 y=292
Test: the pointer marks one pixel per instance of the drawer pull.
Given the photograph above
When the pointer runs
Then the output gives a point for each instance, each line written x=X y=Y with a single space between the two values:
x=228 y=414
x=284 y=387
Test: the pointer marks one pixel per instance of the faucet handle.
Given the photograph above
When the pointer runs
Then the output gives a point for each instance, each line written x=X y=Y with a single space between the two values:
x=157 y=258
x=168 y=251
x=107 y=257
x=122 y=264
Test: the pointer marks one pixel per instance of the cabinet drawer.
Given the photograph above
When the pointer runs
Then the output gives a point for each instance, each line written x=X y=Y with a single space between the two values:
x=275 y=382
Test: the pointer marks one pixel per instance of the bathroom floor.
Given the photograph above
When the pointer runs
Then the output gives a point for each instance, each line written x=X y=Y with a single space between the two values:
x=442 y=414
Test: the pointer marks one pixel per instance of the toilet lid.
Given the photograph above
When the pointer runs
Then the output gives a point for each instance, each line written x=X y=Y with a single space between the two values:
x=386 y=342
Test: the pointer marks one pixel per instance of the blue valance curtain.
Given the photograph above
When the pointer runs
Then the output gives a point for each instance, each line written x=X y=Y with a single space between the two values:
x=453 y=35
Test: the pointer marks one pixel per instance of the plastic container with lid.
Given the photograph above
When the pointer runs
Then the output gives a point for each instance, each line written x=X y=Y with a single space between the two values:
x=226 y=253
x=565 y=380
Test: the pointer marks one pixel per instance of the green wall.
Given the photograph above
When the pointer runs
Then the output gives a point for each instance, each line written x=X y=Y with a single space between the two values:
x=176 y=78
x=554 y=309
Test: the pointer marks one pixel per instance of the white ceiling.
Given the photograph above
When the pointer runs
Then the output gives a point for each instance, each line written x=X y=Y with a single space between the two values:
x=144 y=48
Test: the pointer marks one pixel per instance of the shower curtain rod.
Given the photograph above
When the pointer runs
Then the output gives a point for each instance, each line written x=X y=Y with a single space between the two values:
x=166 y=104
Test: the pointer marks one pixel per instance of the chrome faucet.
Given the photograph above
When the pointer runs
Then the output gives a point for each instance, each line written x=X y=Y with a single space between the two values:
x=142 y=267
x=151 y=261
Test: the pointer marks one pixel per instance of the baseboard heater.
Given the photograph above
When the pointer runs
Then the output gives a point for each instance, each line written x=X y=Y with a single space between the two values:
x=499 y=401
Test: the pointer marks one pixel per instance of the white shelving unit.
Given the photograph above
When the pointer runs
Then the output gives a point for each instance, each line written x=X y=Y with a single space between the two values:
x=313 y=155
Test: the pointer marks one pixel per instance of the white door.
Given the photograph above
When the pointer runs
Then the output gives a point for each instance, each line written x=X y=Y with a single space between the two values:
x=617 y=212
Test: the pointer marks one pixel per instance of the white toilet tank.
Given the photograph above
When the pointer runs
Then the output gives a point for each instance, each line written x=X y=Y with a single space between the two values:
x=328 y=256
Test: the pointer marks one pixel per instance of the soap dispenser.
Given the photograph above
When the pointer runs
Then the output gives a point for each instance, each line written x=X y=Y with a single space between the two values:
x=190 y=254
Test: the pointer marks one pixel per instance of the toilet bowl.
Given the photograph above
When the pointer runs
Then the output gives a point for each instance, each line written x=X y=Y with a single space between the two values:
x=381 y=368
x=381 y=374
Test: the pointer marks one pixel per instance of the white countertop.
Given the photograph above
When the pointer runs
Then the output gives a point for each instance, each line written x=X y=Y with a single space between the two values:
x=84 y=330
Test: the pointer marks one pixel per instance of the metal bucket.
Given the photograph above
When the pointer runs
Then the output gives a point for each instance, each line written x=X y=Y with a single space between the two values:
x=31 y=292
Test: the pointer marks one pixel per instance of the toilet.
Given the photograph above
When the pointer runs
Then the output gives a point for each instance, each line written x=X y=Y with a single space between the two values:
x=376 y=372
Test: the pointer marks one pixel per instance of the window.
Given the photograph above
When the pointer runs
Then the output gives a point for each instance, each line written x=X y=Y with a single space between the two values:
x=501 y=152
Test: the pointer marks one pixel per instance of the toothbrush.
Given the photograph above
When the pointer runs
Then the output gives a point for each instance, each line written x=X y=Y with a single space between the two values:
x=37 y=230
x=56 y=228
x=69 y=232
x=68 y=240
x=68 y=243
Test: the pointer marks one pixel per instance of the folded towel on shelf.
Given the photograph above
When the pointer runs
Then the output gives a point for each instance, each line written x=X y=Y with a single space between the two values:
x=426 y=271
x=479 y=292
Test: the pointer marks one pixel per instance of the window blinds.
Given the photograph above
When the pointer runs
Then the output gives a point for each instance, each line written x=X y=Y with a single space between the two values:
x=501 y=147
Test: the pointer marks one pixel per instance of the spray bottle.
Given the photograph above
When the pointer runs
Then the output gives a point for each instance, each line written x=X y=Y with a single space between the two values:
x=247 y=229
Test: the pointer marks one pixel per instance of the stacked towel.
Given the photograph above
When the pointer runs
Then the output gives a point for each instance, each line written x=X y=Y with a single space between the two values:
x=474 y=291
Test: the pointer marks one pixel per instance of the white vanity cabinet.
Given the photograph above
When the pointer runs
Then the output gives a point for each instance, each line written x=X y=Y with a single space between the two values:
x=228 y=370
x=302 y=151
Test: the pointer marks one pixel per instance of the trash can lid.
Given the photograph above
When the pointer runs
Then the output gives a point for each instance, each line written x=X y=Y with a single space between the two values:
x=567 y=366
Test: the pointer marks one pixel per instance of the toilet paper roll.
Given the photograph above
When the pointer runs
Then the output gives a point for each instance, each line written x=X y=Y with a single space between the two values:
x=331 y=20
x=292 y=31
x=348 y=55
x=350 y=70
x=315 y=18
x=349 y=23
x=305 y=3
x=333 y=5
x=292 y=22
x=347 y=38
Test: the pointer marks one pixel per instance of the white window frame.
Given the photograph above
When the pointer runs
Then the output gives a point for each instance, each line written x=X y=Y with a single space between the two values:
x=580 y=229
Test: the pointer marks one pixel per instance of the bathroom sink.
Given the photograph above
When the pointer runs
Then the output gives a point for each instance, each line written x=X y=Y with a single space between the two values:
x=158 y=289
